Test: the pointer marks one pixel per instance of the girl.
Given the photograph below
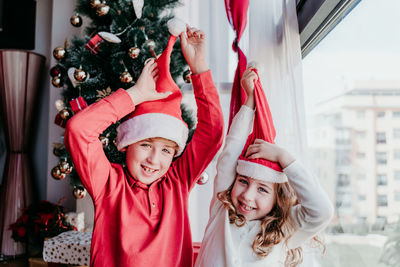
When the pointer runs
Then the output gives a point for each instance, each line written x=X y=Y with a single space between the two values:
x=256 y=218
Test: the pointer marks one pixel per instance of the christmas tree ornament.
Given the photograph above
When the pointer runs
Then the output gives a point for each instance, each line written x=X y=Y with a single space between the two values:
x=203 y=179
x=64 y=114
x=55 y=71
x=59 y=52
x=59 y=121
x=79 y=192
x=138 y=7
x=186 y=76
x=64 y=166
x=95 y=3
x=57 y=81
x=59 y=104
x=76 y=20
x=71 y=75
x=57 y=174
x=126 y=77
x=104 y=140
x=57 y=149
x=103 y=93
x=77 y=104
x=102 y=9
x=80 y=74
x=93 y=46
x=134 y=52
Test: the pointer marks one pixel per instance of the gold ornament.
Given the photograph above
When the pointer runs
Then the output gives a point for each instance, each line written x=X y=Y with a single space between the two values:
x=80 y=74
x=64 y=114
x=60 y=105
x=126 y=77
x=64 y=167
x=59 y=52
x=95 y=3
x=203 y=179
x=57 y=81
x=57 y=174
x=134 y=52
x=76 y=20
x=79 y=192
x=102 y=10
x=186 y=76
x=104 y=140
x=57 y=149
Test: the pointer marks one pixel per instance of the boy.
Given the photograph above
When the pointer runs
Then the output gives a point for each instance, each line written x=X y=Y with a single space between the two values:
x=141 y=216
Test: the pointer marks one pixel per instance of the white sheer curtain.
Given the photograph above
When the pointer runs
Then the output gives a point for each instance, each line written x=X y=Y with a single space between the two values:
x=274 y=43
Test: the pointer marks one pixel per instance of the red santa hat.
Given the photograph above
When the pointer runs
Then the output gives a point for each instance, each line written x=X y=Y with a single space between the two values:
x=264 y=129
x=160 y=118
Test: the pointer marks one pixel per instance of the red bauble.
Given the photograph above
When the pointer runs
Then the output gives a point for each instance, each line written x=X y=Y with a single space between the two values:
x=55 y=71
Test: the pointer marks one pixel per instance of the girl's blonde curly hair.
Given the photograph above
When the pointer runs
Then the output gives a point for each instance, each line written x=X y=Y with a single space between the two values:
x=275 y=226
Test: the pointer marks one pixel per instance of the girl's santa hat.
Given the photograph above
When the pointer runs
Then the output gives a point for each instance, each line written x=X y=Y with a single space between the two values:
x=264 y=129
x=160 y=118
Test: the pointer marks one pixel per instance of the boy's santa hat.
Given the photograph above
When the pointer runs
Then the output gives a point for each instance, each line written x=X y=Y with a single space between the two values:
x=264 y=129
x=160 y=118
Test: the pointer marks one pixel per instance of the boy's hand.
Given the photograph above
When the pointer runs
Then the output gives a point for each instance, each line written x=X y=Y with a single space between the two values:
x=268 y=151
x=193 y=44
x=145 y=87
x=247 y=82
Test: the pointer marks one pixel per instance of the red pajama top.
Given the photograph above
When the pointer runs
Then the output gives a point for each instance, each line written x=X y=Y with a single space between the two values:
x=136 y=224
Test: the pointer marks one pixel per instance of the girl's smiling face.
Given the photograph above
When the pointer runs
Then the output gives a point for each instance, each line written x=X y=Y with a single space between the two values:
x=253 y=198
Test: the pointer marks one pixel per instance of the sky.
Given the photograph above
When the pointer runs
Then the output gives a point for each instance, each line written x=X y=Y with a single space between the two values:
x=365 y=45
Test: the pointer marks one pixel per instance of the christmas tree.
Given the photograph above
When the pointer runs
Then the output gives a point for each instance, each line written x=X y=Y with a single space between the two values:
x=120 y=36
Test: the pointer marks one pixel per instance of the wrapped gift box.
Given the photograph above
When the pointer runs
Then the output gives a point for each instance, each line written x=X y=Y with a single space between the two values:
x=70 y=247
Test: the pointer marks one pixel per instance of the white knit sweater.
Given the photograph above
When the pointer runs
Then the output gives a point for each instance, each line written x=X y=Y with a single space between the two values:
x=226 y=245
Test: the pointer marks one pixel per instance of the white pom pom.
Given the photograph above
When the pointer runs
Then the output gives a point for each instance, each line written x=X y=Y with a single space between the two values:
x=176 y=26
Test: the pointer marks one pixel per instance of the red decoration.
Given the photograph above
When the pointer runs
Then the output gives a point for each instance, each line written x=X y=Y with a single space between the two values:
x=94 y=44
x=59 y=121
x=78 y=104
x=55 y=71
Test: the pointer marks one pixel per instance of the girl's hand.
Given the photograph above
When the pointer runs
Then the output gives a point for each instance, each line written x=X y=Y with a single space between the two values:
x=268 y=151
x=247 y=82
x=193 y=44
x=145 y=87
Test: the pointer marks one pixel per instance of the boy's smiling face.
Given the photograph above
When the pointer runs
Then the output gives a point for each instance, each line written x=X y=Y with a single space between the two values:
x=149 y=159
x=253 y=198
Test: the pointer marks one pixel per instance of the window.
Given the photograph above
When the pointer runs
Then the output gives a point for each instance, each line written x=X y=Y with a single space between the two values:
x=396 y=114
x=397 y=175
x=381 y=179
x=396 y=154
x=342 y=157
x=381 y=158
x=362 y=197
x=343 y=180
x=382 y=201
x=397 y=196
x=396 y=133
x=380 y=138
x=349 y=91
x=380 y=114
